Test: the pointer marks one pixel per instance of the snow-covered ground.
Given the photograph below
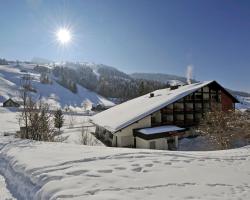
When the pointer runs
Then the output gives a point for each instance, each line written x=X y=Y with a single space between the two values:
x=4 y=192
x=37 y=170
x=8 y=121
x=74 y=133
x=71 y=130
x=244 y=103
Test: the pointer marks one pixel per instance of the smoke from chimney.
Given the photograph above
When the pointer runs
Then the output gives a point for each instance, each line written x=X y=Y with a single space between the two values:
x=189 y=73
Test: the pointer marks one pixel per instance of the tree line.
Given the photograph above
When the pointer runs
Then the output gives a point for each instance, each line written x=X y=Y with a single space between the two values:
x=110 y=82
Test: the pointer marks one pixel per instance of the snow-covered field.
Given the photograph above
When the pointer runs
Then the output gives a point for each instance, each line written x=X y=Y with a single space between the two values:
x=8 y=121
x=244 y=103
x=71 y=132
x=37 y=170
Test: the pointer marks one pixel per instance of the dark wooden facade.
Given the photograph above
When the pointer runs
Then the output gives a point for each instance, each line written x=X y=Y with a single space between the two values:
x=189 y=110
x=10 y=103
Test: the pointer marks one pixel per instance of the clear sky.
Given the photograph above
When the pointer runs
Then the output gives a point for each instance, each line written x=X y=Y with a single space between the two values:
x=135 y=35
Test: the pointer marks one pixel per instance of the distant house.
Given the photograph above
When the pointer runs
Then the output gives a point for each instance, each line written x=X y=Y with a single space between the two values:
x=100 y=107
x=10 y=103
x=157 y=120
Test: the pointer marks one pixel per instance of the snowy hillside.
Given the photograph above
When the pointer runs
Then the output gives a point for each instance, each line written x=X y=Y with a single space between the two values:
x=164 y=78
x=244 y=103
x=55 y=94
x=37 y=170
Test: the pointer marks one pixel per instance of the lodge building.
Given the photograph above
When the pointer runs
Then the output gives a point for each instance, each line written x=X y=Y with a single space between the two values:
x=157 y=120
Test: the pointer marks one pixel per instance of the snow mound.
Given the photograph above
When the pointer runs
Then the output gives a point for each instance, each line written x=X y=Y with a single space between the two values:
x=5 y=194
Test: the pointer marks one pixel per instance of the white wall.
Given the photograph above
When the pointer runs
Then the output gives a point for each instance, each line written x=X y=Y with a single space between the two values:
x=125 y=136
x=141 y=143
x=160 y=143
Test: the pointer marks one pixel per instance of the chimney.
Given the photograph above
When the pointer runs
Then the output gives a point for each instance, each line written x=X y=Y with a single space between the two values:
x=151 y=95
x=189 y=74
x=173 y=87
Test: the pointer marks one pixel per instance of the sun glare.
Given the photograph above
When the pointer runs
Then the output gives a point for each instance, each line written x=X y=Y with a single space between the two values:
x=63 y=36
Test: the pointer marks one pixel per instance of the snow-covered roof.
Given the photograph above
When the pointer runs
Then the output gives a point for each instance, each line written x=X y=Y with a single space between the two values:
x=122 y=115
x=159 y=129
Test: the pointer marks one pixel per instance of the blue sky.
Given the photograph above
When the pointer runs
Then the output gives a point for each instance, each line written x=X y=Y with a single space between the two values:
x=136 y=35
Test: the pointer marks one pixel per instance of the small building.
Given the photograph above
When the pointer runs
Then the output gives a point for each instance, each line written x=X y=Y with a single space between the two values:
x=100 y=107
x=157 y=120
x=10 y=103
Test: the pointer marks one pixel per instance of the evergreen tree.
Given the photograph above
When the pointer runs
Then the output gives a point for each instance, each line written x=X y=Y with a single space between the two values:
x=58 y=119
x=141 y=88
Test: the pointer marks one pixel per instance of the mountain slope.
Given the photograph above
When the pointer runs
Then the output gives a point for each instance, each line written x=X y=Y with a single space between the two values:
x=57 y=95
x=244 y=103
x=174 y=80
x=164 y=78
x=105 y=80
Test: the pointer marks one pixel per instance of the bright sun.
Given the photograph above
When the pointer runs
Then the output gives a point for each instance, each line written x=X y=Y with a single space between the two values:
x=63 y=35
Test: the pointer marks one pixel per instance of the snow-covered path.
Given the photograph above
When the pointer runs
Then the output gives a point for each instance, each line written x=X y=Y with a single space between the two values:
x=37 y=170
x=4 y=192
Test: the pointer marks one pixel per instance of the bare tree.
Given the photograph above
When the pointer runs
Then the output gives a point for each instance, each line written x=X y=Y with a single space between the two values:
x=72 y=118
x=85 y=138
x=24 y=94
x=224 y=128
x=35 y=115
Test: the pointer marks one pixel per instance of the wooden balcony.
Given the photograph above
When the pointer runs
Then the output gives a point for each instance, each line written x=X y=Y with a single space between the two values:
x=181 y=123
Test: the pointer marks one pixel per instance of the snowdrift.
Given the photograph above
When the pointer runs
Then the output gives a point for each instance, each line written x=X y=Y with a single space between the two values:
x=37 y=170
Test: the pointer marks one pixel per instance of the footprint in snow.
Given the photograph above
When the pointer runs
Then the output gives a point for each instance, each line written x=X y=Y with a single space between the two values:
x=138 y=169
x=93 y=175
x=175 y=160
x=79 y=172
x=105 y=171
x=149 y=165
x=120 y=168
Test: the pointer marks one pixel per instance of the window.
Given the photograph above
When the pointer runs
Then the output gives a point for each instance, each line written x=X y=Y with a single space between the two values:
x=189 y=97
x=206 y=89
x=216 y=98
x=198 y=96
x=110 y=135
x=152 y=145
x=164 y=118
x=153 y=120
